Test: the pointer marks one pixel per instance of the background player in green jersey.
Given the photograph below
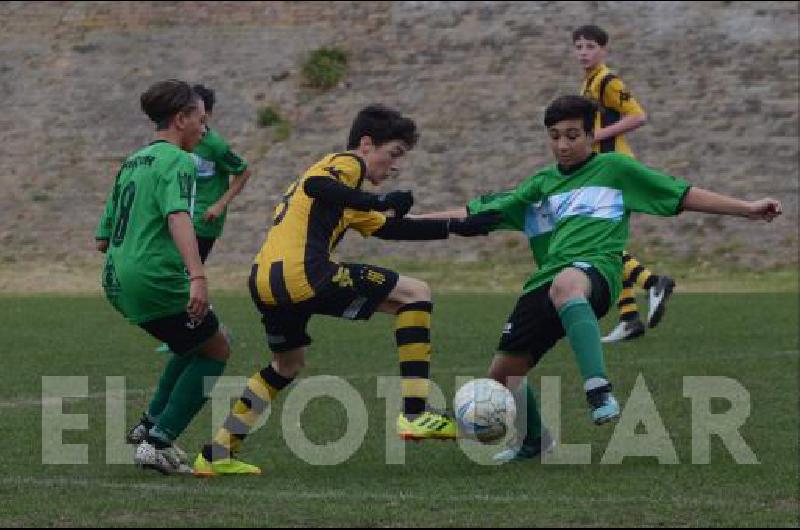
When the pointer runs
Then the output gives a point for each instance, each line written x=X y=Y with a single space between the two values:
x=153 y=273
x=221 y=176
x=576 y=214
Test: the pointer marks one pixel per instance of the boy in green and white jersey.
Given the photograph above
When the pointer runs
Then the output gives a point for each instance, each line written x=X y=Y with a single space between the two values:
x=576 y=214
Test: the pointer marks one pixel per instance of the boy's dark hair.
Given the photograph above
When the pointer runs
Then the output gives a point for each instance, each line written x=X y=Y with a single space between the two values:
x=207 y=95
x=591 y=32
x=382 y=124
x=167 y=98
x=570 y=108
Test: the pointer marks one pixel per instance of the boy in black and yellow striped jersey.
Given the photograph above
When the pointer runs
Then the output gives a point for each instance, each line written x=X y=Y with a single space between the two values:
x=294 y=277
x=619 y=113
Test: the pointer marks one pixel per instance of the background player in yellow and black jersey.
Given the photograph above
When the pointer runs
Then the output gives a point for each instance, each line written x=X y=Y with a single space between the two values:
x=295 y=277
x=619 y=113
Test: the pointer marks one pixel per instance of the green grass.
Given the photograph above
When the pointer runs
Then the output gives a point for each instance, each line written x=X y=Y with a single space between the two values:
x=752 y=338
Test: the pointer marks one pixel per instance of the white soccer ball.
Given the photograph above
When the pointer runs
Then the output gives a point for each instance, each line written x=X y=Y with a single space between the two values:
x=485 y=410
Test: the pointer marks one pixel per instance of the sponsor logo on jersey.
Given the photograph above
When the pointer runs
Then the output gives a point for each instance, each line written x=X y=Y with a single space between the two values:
x=205 y=168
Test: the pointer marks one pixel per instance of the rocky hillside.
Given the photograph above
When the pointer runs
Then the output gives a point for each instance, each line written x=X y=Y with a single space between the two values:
x=719 y=81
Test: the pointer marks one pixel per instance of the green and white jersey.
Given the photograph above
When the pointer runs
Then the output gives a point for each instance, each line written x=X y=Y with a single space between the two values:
x=144 y=276
x=215 y=164
x=583 y=217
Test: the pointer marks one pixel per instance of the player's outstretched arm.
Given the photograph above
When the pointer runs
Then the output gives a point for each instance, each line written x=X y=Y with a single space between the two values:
x=333 y=192
x=397 y=229
x=456 y=213
x=700 y=200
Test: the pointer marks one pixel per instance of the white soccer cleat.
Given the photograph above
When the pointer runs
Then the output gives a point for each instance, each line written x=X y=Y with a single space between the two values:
x=625 y=331
x=659 y=294
x=138 y=434
x=165 y=461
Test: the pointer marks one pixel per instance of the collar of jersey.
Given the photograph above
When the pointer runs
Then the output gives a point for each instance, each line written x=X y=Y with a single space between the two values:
x=574 y=169
x=591 y=76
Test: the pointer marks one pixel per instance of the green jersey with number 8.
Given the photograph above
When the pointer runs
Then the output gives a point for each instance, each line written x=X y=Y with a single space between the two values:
x=144 y=276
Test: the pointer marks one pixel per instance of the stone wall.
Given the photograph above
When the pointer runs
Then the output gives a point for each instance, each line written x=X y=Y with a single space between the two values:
x=719 y=81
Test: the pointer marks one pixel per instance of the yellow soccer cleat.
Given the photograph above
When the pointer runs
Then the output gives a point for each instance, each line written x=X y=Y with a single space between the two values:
x=227 y=466
x=427 y=426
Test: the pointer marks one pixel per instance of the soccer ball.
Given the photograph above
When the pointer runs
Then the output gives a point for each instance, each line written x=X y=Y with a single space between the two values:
x=485 y=410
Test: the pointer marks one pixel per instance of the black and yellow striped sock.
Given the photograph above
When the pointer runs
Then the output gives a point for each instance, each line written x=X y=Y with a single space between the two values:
x=262 y=388
x=413 y=334
x=628 y=310
x=638 y=273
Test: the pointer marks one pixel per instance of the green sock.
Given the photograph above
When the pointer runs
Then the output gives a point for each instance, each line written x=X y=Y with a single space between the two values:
x=172 y=371
x=534 y=420
x=583 y=331
x=188 y=397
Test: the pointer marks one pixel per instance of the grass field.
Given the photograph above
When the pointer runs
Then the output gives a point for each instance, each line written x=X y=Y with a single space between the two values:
x=752 y=338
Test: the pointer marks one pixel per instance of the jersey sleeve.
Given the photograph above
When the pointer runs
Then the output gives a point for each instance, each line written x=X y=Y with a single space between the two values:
x=175 y=188
x=646 y=190
x=227 y=160
x=513 y=204
x=347 y=169
x=505 y=203
x=617 y=97
x=106 y=223
x=366 y=223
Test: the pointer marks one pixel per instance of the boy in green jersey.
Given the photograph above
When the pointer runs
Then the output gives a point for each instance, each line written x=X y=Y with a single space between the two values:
x=576 y=214
x=221 y=176
x=153 y=273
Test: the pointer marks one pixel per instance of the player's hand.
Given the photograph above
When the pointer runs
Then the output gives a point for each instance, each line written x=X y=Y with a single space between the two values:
x=399 y=201
x=764 y=210
x=475 y=225
x=213 y=212
x=198 y=298
x=102 y=245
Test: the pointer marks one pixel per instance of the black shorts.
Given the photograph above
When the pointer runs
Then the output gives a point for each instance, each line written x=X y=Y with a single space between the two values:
x=182 y=333
x=534 y=326
x=204 y=245
x=357 y=293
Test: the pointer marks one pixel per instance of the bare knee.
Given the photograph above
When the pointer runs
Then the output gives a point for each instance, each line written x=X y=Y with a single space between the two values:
x=509 y=369
x=560 y=294
x=421 y=292
x=568 y=285
x=217 y=347
x=410 y=290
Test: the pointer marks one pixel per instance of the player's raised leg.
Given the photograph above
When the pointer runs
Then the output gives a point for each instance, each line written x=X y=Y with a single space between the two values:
x=570 y=292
